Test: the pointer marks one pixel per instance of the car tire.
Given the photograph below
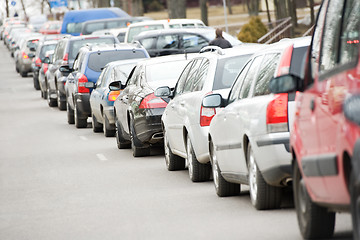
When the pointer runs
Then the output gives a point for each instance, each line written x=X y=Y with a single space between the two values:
x=138 y=149
x=96 y=126
x=80 y=121
x=61 y=104
x=23 y=74
x=173 y=162
x=70 y=114
x=120 y=140
x=314 y=221
x=198 y=172
x=108 y=130
x=36 y=83
x=17 y=68
x=263 y=196
x=223 y=188
x=51 y=102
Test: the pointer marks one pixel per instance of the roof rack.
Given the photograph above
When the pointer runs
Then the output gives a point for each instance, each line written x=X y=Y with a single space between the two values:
x=214 y=49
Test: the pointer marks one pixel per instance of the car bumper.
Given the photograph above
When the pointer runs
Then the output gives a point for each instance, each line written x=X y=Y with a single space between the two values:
x=148 y=125
x=83 y=103
x=273 y=157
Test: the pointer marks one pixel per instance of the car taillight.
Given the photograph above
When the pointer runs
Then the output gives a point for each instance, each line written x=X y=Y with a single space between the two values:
x=81 y=84
x=284 y=65
x=24 y=55
x=277 y=114
x=38 y=62
x=206 y=115
x=66 y=59
x=113 y=95
x=45 y=67
x=150 y=101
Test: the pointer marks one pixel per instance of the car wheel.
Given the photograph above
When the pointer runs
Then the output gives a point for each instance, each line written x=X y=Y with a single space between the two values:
x=96 y=126
x=23 y=74
x=36 y=83
x=51 y=102
x=108 y=130
x=314 y=221
x=198 y=172
x=262 y=195
x=223 y=188
x=80 y=121
x=17 y=68
x=61 y=104
x=70 y=114
x=137 y=147
x=120 y=140
x=173 y=162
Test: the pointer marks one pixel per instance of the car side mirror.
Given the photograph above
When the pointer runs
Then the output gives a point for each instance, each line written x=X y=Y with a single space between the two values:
x=32 y=49
x=46 y=60
x=31 y=55
x=351 y=109
x=285 y=84
x=116 y=86
x=213 y=101
x=163 y=92
x=65 y=69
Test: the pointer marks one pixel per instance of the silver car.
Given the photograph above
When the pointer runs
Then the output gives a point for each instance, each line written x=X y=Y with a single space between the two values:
x=185 y=122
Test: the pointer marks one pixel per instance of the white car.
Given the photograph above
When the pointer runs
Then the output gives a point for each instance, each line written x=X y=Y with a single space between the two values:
x=185 y=122
x=249 y=138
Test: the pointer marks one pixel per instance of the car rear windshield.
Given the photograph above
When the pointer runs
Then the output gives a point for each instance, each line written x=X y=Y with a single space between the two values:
x=227 y=69
x=46 y=48
x=133 y=31
x=297 y=61
x=32 y=43
x=76 y=45
x=98 y=60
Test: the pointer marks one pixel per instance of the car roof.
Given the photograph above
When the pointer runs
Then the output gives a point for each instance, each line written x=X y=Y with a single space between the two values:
x=116 y=19
x=167 y=21
x=243 y=49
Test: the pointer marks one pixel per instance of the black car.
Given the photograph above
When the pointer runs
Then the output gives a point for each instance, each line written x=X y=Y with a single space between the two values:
x=86 y=71
x=174 y=41
x=64 y=55
x=137 y=111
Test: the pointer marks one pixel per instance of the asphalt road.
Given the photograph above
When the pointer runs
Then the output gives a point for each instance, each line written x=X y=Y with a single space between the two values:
x=59 y=182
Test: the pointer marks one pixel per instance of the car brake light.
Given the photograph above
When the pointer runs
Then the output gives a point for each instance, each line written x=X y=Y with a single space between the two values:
x=150 y=101
x=66 y=59
x=24 y=55
x=81 y=84
x=45 y=67
x=38 y=62
x=284 y=65
x=113 y=95
x=206 y=115
x=277 y=114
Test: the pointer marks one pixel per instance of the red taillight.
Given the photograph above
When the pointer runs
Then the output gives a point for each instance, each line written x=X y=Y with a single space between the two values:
x=206 y=115
x=45 y=67
x=113 y=95
x=277 y=114
x=38 y=62
x=66 y=59
x=284 y=65
x=24 y=55
x=150 y=101
x=81 y=84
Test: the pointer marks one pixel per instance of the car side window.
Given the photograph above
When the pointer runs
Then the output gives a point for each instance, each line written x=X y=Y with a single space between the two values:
x=235 y=90
x=192 y=77
x=266 y=73
x=193 y=41
x=182 y=79
x=168 y=42
x=135 y=76
x=100 y=79
x=250 y=77
x=349 y=41
x=148 y=43
x=202 y=73
x=330 y=39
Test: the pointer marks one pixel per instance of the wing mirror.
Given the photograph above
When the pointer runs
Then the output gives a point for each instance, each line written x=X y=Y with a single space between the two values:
x=64 y=69
x=31 y=55
x=163 y=92
x=213 y=101
x=285 y=84
x=116 y=86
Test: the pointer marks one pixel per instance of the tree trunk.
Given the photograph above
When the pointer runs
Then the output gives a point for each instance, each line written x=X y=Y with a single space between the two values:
x=204 y=11
x=176 y=8
x=253 y=7
x=7 y=8
x=137 y=8
x=24 y=9
x=229 y=6
x=268 y=11
x=280 y=9
x=312 y=14
x=292 y=12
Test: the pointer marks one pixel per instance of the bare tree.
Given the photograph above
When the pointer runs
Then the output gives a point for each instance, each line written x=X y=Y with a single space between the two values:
x=312 y=14
x=292 y=12
x=137 y=8
x=7 y=8
x=253 y=7
x=176 y=8
x=281 y=9
x=24 y=9
x=268 y=11
x=204 y=11
x=103 y=3
x=229 y=6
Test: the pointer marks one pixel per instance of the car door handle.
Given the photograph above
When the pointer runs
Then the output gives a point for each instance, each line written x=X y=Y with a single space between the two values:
x=312 y=104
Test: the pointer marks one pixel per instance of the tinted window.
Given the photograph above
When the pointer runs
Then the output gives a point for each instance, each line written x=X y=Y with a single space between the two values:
x=267 y=70
x=249 y=78
x=193 y=41
x=98 y=60
x=32 y=43
x=349 y=42
x=192 y=76
x=235 y=90
x=148 y=43
x=331 y=31
x=91 y=27
x=73 y=27
x=167 y=42
x=46 y=48
x=133 y=31
x=227 y=69
x=76 y=45
x=297 y=61
x=182 y=78
x=201 y=77
x=101 y=80
x=121 y=72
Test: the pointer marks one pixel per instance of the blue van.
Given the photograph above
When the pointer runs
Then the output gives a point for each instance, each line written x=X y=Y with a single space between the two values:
x=73 y=20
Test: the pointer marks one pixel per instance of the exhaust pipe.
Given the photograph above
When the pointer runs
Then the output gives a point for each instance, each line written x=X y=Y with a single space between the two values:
x=157 y=136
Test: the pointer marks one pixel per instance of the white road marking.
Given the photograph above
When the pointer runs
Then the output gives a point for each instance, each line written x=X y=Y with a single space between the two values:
x=83 y=138
x=101 y=157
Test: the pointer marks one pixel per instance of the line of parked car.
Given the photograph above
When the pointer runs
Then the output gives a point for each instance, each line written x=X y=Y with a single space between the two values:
x=276 y=117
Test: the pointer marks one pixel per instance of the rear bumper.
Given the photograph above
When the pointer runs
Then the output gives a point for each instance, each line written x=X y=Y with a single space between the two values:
x=148 y=125
x=83 y=103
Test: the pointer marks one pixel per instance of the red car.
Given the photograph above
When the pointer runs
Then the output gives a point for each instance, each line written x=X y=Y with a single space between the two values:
x=51 y=27
x=325 y=141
